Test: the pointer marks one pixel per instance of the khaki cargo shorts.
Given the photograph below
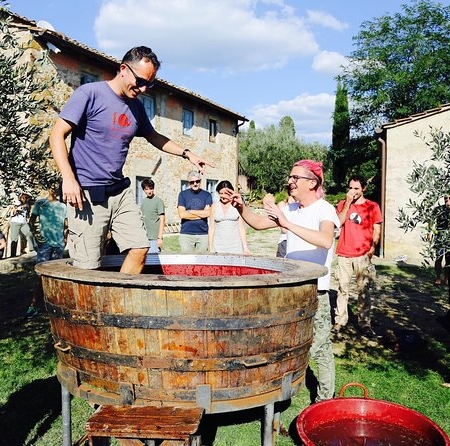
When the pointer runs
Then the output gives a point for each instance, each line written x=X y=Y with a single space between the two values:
x=88 y=228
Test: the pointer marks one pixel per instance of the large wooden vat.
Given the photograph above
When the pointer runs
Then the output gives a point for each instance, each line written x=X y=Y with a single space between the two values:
x=221 y=332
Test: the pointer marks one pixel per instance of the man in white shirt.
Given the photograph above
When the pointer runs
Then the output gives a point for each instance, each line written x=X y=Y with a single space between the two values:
x=310 y=223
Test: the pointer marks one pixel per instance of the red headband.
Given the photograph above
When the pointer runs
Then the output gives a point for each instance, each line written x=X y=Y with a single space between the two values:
x=316 y=167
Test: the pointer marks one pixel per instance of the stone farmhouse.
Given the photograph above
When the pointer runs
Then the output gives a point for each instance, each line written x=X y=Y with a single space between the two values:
x=184 y=116
x=400 y=148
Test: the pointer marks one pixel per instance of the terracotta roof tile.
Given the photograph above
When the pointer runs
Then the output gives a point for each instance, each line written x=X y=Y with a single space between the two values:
x=54 y=37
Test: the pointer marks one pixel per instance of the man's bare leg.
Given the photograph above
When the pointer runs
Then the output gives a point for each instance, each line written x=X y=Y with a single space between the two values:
x=134 y=261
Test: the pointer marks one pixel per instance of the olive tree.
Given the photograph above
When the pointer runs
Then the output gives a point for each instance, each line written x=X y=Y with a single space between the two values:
x=266 y=155
x=25 y=107
x=429 y=181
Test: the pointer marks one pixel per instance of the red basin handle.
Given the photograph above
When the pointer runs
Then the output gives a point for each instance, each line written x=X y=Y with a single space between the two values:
x=346 y=386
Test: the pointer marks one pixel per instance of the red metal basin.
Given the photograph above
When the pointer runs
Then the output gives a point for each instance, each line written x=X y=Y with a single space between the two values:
x=365 y=421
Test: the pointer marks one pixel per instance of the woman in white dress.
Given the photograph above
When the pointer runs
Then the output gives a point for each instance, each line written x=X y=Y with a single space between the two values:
x=226 y=228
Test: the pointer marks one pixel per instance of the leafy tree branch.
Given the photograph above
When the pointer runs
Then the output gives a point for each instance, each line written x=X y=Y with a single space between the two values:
x=430 y=182
x=27 y=101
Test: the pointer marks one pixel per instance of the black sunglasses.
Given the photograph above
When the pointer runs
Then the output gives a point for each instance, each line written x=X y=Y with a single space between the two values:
x=195 y=182
x=295 y=178
x=139 y=81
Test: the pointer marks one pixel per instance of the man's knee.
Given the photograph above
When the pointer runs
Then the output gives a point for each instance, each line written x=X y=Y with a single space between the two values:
x=138 y=253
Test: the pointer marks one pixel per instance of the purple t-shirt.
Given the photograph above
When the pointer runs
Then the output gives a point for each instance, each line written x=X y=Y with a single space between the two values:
x=105 y=125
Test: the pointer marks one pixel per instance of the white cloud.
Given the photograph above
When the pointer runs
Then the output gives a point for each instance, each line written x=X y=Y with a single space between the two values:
x=329 y=62
x=227 y=36
x=326 y=20
x=210 y=40
x=311 y=115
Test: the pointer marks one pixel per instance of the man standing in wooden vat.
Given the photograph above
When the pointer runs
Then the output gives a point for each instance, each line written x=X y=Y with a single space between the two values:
x=102 y=119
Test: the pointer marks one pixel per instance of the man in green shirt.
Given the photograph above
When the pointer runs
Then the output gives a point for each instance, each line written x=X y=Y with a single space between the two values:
x=153 y=215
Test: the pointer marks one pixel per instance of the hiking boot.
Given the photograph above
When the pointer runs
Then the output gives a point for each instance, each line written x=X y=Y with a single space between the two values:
x=31 y=312
x=336 y=328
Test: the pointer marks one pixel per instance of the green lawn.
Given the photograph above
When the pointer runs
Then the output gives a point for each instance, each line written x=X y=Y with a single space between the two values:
x=411 y=375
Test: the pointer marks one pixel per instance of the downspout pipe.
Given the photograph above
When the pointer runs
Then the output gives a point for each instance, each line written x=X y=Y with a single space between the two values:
x=237 y=144
x=236 y=129
x=382 y=143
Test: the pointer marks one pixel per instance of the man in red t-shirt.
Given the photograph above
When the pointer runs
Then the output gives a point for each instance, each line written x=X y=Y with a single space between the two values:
x=360 y=233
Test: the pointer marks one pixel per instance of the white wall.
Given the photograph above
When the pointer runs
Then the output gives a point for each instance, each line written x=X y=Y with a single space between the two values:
x=403 y=148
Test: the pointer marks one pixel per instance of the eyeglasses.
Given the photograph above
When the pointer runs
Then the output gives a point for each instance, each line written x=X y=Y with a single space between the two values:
x=295 y=178
x=195 y=182
x=140 y=81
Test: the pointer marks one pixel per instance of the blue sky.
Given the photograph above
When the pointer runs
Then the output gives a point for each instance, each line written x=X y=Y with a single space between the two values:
x=263 y=59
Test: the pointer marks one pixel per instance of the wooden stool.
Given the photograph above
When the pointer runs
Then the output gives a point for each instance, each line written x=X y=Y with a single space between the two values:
x=130 y=424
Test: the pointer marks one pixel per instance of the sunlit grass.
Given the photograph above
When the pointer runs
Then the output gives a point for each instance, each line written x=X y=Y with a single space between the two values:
x=30 y=394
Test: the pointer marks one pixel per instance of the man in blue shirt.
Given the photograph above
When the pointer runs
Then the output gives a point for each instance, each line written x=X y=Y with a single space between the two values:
x=194 y=209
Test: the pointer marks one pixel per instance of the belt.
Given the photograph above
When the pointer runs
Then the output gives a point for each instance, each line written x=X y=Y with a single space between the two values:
x=322 y=292
x=100 y=193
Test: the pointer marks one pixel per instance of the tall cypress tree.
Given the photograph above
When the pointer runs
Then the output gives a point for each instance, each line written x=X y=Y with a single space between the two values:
x=340 y=138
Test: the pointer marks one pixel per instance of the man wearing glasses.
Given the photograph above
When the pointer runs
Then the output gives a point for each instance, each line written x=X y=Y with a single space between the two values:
x=194 y=209
x=102 y=119
x=309 y=222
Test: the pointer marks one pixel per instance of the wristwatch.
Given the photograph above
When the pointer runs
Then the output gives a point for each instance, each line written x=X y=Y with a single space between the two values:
x=183 y=155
